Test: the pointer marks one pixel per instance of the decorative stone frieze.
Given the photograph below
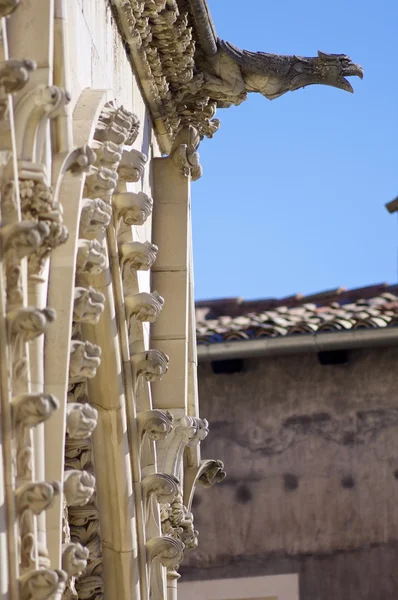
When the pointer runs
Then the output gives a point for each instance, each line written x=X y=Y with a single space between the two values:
x=85 y=358
x=143 y=306
x=151 y=364
x=133 y=209
x=91 y=257
x=95 y=216
x=79 y=486
x=88 y=306
x=81 y=420
x=131 y=166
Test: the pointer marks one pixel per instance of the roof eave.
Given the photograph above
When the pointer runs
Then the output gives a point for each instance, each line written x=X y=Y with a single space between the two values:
x=316 y=342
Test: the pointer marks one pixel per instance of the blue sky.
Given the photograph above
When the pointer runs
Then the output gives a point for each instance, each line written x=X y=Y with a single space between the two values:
x=293 y=191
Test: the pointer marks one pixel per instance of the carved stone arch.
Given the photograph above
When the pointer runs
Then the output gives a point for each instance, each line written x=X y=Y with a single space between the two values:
x=61 y=296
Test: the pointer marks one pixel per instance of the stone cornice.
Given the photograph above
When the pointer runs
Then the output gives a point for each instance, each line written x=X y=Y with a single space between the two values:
x=161 y=44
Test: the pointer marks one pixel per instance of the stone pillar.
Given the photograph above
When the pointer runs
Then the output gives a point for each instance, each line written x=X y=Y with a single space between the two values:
x=170 y=232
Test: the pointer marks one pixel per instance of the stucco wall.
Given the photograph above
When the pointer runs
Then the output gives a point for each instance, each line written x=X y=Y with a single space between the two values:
x=311 y=453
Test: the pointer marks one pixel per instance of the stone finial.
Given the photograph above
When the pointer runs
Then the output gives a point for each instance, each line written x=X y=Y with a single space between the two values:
x=79 y=486
x=81 y=420
x=133 y=208
x=42 y=584
x=37 y=496
x=88 y=306
x=143 y=306
x=85 y=358
x=137 y=255
x=95 y=216
x=91 y=257
x=29 y=323
x=211 y=472
x=151 y=364
x=29 y=410
x=131 y=166
x=156 y=423
x=74 y=559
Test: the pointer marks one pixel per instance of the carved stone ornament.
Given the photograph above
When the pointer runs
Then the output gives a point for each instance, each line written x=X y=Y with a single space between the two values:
x=151 y=364
x=81 y=160
x=187 y=431
x=137 y=255
x=8 y=6
x=42 y=585
x=108 y=154
x=156 y=423
x=85 y=358
x=79 y=486
x=81 y=420
x=32 y=113
x=14 y=74
x=143 y=306
x=207 y=474
x=22 y=239
x=133 y=208
x=184 y=152
x=101 y=183
x=95 y=216
x=28 y=410
x=165 y=488
x=131 y=166
x=88 y=306
x=117 y=125
x=27 y=324
x=91 y=257
x=74 y=559
x=177 y=522
x=167 y=549
x=37 y=496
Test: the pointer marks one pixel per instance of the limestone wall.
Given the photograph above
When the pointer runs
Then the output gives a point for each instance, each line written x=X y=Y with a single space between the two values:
x=311 y=454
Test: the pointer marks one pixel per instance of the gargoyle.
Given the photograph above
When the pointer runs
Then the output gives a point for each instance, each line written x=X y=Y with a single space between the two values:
x=230 y=73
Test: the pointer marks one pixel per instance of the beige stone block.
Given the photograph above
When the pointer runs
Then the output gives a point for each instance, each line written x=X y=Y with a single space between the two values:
x=169 y=224
x=170 y=187
x=172 y=321
x=121 y=574
x=171 y=390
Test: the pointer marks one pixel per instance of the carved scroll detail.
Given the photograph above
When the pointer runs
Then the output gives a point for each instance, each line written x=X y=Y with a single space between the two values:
x=91 y=257
x=79 y=486
x=85 y=358
x=81 y=420
x=74 y=559
x=88 y=306
x=42 y=584
x=155 y=423
x=131 y=166
x=95 y=216
x=137 y=255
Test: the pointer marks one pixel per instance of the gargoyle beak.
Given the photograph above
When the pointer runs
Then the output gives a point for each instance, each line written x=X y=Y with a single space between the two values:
x=351 y=71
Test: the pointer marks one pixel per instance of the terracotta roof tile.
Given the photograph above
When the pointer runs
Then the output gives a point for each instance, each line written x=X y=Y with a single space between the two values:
x=231 y=319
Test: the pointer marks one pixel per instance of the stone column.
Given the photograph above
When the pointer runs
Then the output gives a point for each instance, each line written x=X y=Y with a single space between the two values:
x=170 y=232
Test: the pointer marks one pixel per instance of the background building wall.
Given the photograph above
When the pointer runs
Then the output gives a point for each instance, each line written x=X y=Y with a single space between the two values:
x=311 y=453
